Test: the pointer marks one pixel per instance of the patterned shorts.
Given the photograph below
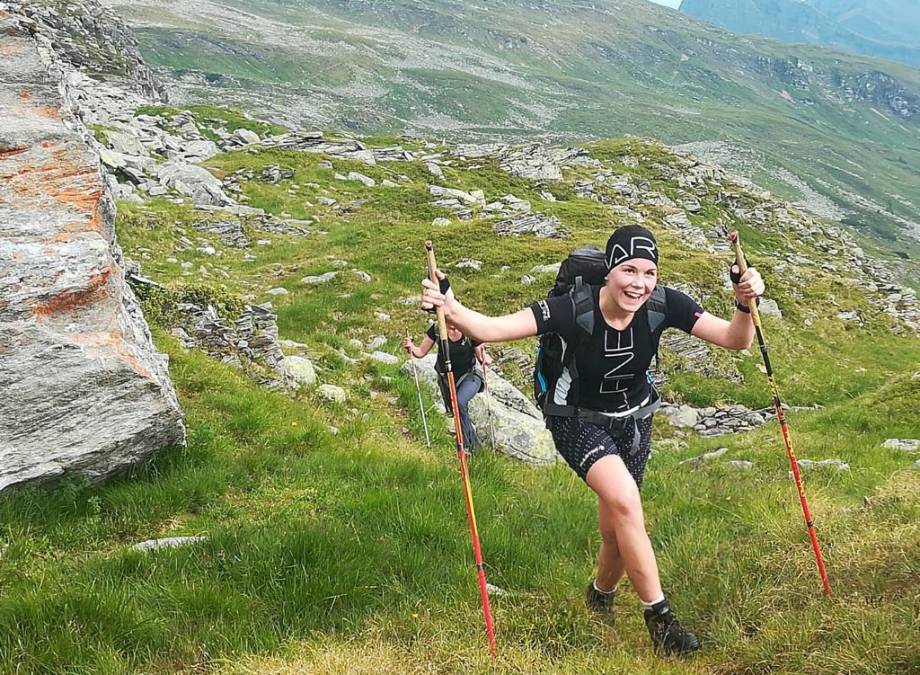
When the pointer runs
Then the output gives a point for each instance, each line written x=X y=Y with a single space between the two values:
x=581 y=444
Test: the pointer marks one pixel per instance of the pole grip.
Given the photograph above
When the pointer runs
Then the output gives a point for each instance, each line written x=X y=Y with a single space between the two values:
x=432 y=274
x=735 y=239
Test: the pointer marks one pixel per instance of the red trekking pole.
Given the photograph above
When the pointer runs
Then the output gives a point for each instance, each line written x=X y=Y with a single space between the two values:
x=758 y=328
x=461 y=455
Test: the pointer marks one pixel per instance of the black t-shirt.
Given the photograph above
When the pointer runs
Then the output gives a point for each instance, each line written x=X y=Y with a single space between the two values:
x=612 y=365
x=461 y=353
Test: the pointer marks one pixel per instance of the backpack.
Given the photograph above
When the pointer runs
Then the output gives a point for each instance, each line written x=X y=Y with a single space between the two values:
x=583 y=268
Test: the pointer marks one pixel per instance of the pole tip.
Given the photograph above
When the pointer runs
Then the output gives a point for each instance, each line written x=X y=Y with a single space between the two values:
x=429 y=245
x=733 y=236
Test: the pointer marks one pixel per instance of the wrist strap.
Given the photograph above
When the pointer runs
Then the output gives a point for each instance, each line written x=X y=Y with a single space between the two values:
x=741 y=307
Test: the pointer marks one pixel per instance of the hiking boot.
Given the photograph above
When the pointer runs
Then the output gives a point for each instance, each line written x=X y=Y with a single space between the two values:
x=601 y=603
x=669 y=638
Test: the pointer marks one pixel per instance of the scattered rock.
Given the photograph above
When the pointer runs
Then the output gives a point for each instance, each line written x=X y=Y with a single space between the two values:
x=301 y=368
x=808 y=464
x=331 y=393
x=680 y=416
x=319 y=278
x=383 y=357
x=905 y=444
x=167 y=542
x=706 y=457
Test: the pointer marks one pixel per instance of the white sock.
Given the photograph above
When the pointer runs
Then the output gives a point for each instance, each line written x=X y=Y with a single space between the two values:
x=600 y=590
x=649 y=605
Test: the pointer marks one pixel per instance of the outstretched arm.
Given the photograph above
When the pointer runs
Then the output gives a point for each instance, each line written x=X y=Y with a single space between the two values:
x=475 y=325
x=421 y=350
x=739 y=332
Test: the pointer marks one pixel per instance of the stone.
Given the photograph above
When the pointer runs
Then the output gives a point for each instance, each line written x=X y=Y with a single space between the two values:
x=167 y=542
x=277 y=291
x=741 y=464
x=552 y=268
x=468 y=264
x=383 y=357
x=681 y=416
x=705 y=457
x=193 y=181
x=245 y=136
x=808 y=464
x=768 y=307
x=542 y=226
x=301 y=368
x=519 y=430
x=363 y=276
x=319 y=278
x=331 y=393
x=381 y=316
x=375 y=342
x=361 y=178
x=440 y=222
x=905 y=444
x=85 y=391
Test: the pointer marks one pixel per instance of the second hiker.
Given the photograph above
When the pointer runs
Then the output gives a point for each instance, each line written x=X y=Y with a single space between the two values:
x=464 y=353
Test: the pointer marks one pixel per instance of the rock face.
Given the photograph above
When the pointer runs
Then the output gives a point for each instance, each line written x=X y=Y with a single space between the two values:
x=83 y=389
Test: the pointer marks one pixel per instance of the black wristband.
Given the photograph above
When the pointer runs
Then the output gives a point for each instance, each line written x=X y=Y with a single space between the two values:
x=444 y=284
x=741 y=307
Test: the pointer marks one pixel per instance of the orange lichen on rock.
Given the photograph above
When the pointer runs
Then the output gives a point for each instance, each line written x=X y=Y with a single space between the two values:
x=9 y=152
x=25 y=95
x=95 y=290
x=113 y=341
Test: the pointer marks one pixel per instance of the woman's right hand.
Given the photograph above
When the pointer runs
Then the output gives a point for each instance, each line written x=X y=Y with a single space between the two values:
x=408 y=344
x=433 y=298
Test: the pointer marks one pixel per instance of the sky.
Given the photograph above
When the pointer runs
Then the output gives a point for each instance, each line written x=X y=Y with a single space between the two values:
x=668 y=3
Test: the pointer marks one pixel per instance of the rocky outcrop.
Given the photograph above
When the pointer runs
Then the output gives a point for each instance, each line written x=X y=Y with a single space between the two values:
x=83 y=389
x=90 y=38
x=504 y=418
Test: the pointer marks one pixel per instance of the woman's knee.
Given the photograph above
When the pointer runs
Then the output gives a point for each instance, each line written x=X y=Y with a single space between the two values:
x=623 y=506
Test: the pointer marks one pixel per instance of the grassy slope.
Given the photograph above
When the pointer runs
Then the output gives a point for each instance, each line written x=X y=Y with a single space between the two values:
x=349 y=552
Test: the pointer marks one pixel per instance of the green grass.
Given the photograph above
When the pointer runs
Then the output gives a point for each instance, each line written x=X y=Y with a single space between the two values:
x=349 y=551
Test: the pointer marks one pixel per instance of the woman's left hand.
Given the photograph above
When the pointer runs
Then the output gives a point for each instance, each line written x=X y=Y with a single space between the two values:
x=750 y=287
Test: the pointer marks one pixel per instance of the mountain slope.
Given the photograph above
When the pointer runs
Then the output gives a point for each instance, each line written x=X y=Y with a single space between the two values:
x=886 y=29
x=836 y=132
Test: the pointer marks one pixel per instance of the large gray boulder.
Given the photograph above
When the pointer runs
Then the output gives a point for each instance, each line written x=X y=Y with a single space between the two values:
x=82 y=389
x=193 y=181
x=517 y=424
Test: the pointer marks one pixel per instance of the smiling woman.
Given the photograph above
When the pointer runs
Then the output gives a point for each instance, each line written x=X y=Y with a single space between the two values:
x=599 y=409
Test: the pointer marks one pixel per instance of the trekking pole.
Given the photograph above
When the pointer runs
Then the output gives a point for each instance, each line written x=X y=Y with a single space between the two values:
x=418 y=390
x=485 y=383
x=758 y=328
x=461 y=455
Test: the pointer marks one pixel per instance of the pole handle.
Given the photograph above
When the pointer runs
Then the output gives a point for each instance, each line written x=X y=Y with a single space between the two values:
x=432 y=274
x=735 y=239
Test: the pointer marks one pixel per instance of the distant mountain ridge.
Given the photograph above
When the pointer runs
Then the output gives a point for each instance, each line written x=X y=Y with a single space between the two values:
x=886 y=29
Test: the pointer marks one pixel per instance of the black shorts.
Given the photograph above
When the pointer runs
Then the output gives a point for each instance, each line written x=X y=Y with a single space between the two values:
x=581 y=444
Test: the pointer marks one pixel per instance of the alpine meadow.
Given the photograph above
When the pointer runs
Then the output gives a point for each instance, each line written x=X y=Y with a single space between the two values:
x=216 y=455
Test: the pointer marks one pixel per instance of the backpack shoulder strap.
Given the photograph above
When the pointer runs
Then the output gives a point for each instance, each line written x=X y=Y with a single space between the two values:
x=657 y=307
x=583 y=305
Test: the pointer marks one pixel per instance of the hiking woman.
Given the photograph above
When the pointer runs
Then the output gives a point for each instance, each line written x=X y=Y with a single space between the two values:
x=599 y=409
x=469 y=382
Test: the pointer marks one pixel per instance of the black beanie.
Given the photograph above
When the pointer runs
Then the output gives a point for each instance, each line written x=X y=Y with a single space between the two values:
x=629 y=242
